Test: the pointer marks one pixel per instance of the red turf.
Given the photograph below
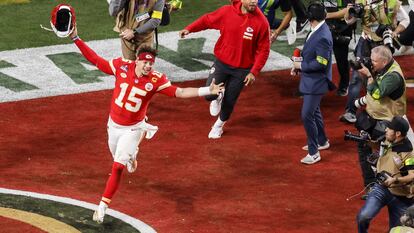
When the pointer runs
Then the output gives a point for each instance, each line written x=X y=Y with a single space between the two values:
x=251 y=180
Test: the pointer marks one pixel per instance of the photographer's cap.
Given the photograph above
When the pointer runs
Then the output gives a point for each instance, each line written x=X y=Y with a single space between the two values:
x=398 y=123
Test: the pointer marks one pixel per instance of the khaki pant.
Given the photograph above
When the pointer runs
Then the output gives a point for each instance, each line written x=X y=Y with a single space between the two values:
x=130 y=48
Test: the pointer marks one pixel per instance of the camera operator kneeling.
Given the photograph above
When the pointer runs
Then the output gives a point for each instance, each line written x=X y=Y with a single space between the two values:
x=395 y=172
x=385 y=99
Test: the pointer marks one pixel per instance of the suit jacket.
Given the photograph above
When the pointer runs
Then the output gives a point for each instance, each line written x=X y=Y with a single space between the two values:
x=317 y=62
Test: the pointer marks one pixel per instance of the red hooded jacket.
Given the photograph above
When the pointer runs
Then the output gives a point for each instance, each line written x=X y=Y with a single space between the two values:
x=244 y=38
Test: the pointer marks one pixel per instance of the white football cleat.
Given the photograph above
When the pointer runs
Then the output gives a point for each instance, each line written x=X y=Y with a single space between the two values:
x=99 y=214
x=215 y=105
x=215 y=132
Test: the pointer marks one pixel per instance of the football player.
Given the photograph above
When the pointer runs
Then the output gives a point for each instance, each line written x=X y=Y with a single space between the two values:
x=136 y=83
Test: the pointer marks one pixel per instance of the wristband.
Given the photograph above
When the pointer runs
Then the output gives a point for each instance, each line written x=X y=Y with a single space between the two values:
x=75 y=38
x=203 y=91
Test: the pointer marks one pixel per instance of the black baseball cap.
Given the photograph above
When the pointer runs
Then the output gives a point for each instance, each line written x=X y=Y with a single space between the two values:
x=398 y=123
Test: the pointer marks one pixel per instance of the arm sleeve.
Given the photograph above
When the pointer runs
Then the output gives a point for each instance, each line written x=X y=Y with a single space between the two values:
x=321 y=60
x=208 y=21
x=263 y=50
x=166 y=87
x=93 y=58
x=389 y=84
x=155 y=19
x=403 y=17
x=115 y=6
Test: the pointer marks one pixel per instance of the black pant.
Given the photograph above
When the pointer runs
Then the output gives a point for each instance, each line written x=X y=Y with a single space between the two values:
x=300 y=9
x=232 y=78
x=341 y=50
x=406 y=37
x=368 y=174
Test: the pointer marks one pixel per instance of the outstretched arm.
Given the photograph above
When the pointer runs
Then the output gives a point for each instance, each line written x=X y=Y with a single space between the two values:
x=90 y=55
x=188 y=92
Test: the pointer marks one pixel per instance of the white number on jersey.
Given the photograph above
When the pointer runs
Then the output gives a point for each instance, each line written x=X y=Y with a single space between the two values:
x=131 y=97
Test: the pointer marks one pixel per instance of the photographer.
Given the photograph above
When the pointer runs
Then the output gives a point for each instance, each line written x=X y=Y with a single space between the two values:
x=341 y=35
x=136 y=21
x=378 y=14
x=385 y=99
x=395 y=169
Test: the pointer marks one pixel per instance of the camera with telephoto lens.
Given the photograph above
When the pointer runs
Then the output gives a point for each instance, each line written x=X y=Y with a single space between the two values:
x=360 y=102
x=385 y=31
x=383 y=176
x=363 y=136
x=358 y=62
x=356 y=10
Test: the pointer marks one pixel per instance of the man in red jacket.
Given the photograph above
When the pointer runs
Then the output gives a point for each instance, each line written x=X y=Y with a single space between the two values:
x=241 y=52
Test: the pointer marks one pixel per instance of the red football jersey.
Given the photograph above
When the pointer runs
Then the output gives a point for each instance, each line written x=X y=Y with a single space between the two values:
x=132 y=94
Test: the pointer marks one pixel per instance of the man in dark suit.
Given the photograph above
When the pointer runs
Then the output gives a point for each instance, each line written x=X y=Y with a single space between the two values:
x=316 y=75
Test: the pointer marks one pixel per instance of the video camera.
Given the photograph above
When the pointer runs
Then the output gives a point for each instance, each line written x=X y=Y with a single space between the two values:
x=358 y=62
x=385 y=31
x=356 y=10
x=363 y=136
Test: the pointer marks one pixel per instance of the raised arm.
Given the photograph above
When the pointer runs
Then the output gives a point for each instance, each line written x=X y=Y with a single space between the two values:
x=90 y=55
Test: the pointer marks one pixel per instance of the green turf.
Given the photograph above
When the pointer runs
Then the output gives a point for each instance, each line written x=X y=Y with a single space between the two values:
x=20 y=22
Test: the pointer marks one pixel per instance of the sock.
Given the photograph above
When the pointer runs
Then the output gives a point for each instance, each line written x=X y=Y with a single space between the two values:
x=219 y=123
x=113 y=182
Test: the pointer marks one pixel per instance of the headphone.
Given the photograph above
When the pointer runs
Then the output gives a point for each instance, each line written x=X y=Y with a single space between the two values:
x=316 y=11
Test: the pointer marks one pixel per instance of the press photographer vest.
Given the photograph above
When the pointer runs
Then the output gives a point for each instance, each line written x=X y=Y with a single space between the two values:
x=375 y=14
x=392 y=162
x=386 y=108
x=128 y=17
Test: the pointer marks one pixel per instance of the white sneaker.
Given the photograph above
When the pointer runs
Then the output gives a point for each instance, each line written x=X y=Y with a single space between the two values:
x=215 y=132
x=132 y=163
x=215 y=105
x=99 y=214
x=311 y=159
x=323 y=147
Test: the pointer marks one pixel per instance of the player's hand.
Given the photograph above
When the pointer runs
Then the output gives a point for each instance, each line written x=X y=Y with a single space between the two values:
x=127 y=34
x=215 y=89
x=249 y=79
x=183 y=33
x=74 y=33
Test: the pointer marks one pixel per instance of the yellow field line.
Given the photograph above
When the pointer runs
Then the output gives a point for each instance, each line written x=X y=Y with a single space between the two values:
x=44 y=223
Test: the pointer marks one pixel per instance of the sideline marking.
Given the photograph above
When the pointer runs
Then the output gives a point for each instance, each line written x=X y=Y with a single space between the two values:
x=137 y=224
x=42 y=222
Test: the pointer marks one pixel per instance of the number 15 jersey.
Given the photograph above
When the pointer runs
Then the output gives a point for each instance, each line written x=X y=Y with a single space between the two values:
x=132 y=94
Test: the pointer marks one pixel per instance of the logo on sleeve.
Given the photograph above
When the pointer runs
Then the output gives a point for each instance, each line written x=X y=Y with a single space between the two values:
x=248 y=34
x=124 y=68
x=212 y=70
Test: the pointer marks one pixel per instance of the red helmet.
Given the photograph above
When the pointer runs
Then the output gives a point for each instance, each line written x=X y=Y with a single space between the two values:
x=63 y=20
